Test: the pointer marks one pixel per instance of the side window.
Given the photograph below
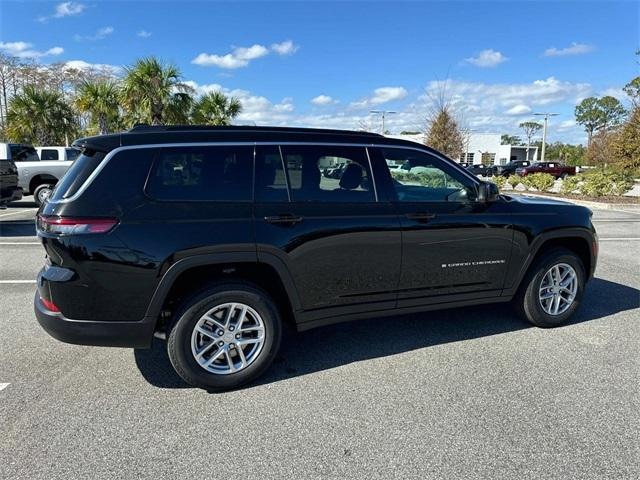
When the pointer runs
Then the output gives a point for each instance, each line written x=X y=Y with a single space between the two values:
x=328 y=173
x=270 y=177
x=218 y=174
x=49 y=154
x=72 y=153
x=425 y=178
x=23 y=153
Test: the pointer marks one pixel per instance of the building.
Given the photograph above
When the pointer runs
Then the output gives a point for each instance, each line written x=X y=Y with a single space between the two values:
x=484 y=148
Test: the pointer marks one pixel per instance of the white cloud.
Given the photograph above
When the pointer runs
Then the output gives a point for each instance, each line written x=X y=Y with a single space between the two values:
x=380 y=95
x=25 y=50
x=64 y=9
x=143 y=34
x=323 y=100
x=285 y=48
x=238 y=57
x=573 y=49
x=100 y=34
x=487 y=58
x=101 y=67
x=519 y=109
x=241 y=56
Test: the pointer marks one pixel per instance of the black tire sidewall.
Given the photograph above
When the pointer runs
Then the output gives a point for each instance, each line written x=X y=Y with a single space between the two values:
x=532 y=308
x=179 y=340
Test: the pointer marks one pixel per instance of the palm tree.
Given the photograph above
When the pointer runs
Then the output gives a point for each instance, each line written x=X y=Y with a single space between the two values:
x=41 y=117
x=215 y=108
x=100 y=100
x=149 y=88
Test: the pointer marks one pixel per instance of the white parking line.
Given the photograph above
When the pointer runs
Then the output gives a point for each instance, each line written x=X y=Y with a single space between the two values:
x=20 y=243
x=16 y=213
x=17 y=281
x=615 y=239
x=3 y=386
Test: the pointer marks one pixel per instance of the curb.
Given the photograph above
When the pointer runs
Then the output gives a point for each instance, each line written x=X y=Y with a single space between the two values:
x=585 y=203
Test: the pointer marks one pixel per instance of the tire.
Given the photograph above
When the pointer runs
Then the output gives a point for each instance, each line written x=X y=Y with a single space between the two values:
x=528 y=300
x=180 y=343
x=564 y=175
x=41 y=193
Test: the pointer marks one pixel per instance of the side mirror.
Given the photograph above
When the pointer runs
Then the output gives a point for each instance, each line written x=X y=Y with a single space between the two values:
x=488 y=192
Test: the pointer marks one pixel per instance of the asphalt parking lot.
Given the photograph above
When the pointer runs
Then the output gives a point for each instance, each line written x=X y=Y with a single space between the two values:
x=465 y=393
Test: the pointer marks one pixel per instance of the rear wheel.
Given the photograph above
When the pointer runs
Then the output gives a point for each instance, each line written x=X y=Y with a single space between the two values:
x=553 y=289
x=564 y=175
x=225 y=336
x=41 y=193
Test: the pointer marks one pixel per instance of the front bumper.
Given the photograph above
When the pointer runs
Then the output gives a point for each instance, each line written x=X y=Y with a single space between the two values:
x=97 y=333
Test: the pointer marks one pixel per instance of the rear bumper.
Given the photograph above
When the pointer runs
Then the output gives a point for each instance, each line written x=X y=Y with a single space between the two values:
x=97 y=333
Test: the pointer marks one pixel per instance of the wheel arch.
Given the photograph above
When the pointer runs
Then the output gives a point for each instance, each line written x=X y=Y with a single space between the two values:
x=580 y=241
x=41 y=179
x=192 y=273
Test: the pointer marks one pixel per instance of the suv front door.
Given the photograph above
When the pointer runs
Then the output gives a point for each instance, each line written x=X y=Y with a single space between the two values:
x=341 y=245
x=451 y=243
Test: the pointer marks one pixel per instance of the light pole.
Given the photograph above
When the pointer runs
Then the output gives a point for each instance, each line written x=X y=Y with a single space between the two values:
x=544 y=131
x=382 y=113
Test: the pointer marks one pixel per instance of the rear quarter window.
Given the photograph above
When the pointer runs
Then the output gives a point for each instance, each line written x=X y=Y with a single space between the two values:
x=77 y=175
x=210 y=173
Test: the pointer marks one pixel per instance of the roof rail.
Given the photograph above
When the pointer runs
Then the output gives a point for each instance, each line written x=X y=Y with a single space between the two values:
x=139 y=128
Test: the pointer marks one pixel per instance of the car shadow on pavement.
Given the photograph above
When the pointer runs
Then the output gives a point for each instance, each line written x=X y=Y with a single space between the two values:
x=332 y=346
x=17 y=228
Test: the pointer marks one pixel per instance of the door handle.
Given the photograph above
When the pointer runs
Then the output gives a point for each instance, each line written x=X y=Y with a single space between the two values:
x=421 y=216
x=287 y=219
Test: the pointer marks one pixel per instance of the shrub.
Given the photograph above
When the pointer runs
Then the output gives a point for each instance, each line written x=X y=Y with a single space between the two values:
x=540 y=181
x=514 y=180
x=500 y=181
x=572 y=184
x=606 y=182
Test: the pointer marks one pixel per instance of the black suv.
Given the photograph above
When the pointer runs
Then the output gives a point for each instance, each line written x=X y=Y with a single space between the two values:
x=214 y=237
x=510 y=168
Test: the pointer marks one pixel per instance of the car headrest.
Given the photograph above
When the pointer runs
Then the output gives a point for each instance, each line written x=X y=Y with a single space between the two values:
x=351 y=177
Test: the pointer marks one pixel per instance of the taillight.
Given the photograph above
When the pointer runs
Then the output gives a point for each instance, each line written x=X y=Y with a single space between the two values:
x=74 y=225
x=49 y=305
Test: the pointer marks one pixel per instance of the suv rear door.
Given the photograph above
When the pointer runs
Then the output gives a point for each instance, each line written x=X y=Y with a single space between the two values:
x=339 y=240
x=451 y=243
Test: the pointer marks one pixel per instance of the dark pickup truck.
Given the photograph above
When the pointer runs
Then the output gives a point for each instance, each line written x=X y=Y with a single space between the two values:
x=553 y=168
x=9 y=190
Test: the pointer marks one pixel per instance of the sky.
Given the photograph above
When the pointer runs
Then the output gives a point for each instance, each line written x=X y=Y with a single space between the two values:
x=328 y=64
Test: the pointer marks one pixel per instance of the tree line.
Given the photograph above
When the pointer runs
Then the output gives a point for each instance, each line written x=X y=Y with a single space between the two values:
x=613 y=132
x=45 y=104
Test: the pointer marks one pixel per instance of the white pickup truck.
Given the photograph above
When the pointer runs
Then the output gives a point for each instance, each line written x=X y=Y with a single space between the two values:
x=38 y=169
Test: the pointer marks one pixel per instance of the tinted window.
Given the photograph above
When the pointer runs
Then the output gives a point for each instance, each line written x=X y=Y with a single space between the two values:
x=327 y=173
x=202 y=174
x=72 y=153
x=271 y=182
x=48 y=154
x=426 y=178
x=23 y=153
x=77 y=175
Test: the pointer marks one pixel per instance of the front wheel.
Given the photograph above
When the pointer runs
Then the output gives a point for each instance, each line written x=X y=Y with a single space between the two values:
x=41 y=193
x=224 y=337
x=553 y=289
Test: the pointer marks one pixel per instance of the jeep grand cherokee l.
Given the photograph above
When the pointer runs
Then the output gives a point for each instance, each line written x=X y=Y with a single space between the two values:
x=215 y=236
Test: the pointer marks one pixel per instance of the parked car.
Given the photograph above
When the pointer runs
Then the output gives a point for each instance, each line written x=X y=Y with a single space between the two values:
x=553 y=168
x=509 y=168
x=9 y=190
x=35 y=176
x=481 y=169
x=208 y=242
